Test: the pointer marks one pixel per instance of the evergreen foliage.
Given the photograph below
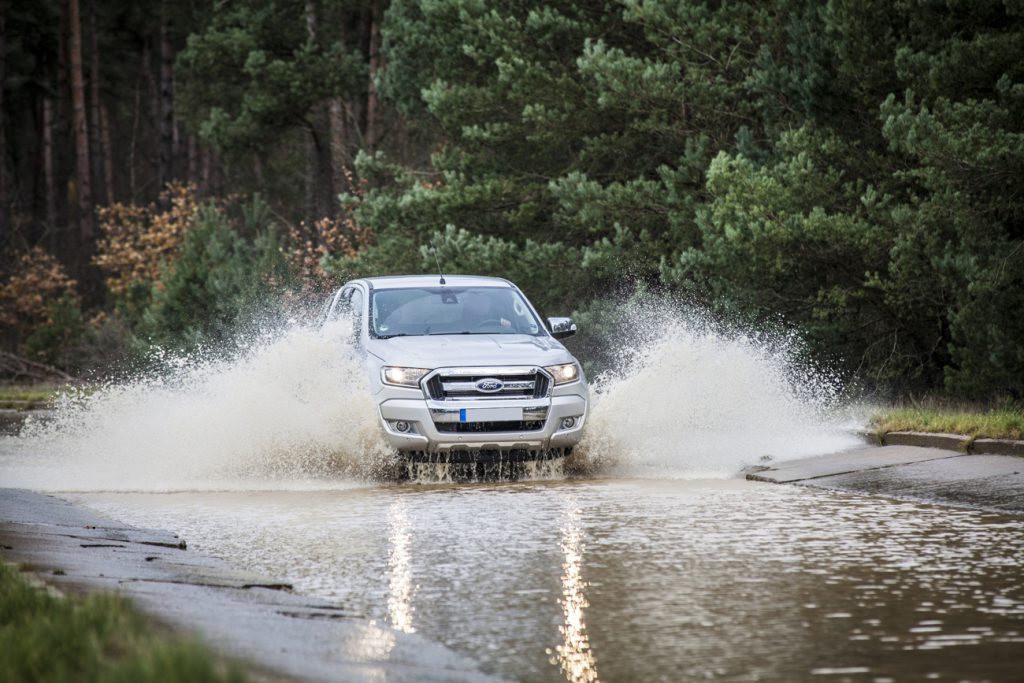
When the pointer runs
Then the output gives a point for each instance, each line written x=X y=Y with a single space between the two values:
x=852 y=168
x=219 y=282
x=253 y=72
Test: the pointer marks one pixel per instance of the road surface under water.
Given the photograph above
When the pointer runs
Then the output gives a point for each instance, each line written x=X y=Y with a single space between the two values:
x=639 y=571
x=629 y=579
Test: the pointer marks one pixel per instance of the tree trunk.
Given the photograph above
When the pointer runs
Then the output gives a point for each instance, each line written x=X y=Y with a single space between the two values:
x=153 y=91
x=133 y=144
x=166 y=128
x=372 y=100
x=193 y=158
x=175 y=125
x=48 y=175
x=108 y=155
x=83 y=181
x=94 y=104
x=3 y=142
x=310 y=12
x=310 y=203
x=64 y=230
x=339 y=153
x=204 y=182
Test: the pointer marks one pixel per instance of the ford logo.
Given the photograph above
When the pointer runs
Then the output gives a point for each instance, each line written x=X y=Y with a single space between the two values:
x=489 y=385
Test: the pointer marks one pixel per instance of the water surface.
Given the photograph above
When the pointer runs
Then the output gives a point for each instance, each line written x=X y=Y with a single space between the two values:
x=638 y=579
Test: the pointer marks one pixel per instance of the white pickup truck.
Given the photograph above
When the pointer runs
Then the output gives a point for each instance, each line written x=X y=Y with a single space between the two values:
x=462 y=369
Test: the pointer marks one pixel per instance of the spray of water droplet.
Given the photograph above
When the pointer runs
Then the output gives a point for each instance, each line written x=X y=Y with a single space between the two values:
x=691 y=398
x=291 y=410
x=685 y=398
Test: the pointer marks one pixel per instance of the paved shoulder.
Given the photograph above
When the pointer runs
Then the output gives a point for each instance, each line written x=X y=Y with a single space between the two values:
x=994 y=482
x=244 y=615
x=870 y=458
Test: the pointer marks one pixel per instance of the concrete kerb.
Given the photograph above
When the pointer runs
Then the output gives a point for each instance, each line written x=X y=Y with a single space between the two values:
x=997 y=447
x=952 y=469
x=961 y=443
x=950 y=442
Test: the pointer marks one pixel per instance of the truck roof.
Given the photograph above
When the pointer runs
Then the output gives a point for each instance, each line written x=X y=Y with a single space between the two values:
x=396 y=281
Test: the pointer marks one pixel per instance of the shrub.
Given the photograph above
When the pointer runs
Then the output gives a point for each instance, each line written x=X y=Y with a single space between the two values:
x=26 y=296
x=217 y=280
x=137 y=241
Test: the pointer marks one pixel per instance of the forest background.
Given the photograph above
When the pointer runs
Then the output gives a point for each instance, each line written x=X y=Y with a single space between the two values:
x=171 y=171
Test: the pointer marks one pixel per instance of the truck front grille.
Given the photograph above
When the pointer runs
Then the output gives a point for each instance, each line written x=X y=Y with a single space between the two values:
x=461 y=427
x=464 y=384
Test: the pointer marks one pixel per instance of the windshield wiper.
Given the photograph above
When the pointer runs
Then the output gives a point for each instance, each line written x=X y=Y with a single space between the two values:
x=397 y=334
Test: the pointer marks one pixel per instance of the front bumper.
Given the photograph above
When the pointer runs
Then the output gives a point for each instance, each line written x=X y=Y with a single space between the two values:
x=428 y=421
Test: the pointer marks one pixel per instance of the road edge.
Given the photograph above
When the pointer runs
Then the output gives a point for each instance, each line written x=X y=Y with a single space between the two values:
x=962 y=443
x=258 y=621
x=950 y=469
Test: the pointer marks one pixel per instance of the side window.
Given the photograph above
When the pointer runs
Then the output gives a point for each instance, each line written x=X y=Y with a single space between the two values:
x=347 y=305
x=356 y=306
x=340 y=306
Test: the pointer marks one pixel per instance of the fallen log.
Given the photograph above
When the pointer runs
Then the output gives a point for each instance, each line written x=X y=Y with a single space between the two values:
x=14 y=368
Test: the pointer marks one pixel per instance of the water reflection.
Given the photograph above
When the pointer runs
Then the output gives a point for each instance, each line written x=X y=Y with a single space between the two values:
x=371 y=643
x=400 y=586
x=574 y=656
x=724 y=580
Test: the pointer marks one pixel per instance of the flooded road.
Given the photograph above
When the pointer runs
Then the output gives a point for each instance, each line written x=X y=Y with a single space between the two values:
x=615 y=580
x=659 y=565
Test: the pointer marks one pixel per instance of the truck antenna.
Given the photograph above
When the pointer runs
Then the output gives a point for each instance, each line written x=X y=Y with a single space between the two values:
x=438 y=262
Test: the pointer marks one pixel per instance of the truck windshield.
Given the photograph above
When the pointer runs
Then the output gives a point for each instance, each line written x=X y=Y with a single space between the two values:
x=416 y=311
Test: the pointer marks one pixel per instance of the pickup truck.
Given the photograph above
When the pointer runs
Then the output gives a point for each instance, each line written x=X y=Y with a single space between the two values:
x=462 y=368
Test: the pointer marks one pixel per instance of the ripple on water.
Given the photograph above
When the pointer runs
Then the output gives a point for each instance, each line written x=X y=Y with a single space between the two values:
x=640 y=580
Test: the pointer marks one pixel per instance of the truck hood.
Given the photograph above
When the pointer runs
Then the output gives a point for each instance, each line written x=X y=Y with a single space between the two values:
x=441 y=351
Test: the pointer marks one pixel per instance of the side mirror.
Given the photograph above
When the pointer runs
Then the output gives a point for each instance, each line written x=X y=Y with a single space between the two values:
x=561 y=327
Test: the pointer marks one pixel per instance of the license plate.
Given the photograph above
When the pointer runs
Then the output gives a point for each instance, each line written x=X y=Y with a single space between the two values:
x=490 y=414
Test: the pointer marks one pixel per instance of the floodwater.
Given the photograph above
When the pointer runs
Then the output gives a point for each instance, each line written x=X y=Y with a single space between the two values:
x=634 y=579
x=655 y=563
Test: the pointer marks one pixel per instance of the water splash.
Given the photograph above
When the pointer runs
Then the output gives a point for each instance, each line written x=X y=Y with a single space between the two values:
x=451 y=473
x=692 y=399
x=291 y=410
x=686 y=399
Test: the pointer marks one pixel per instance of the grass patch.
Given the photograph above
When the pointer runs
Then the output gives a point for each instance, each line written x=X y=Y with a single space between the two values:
x=36 y=396
x=96 y=638
x=997 y=423
x=28 y=395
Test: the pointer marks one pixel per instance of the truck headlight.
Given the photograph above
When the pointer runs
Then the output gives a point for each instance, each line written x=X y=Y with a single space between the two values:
x=402 y=377
x=565 y=373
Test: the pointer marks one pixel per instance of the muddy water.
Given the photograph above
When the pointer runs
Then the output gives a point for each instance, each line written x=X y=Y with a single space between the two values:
x=640 y=580
x=651 y=576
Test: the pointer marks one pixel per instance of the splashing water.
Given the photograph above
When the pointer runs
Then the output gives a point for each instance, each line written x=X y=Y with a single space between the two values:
x=290 y=411
x=691 y=401
x=451 y=473
x=294 y=411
